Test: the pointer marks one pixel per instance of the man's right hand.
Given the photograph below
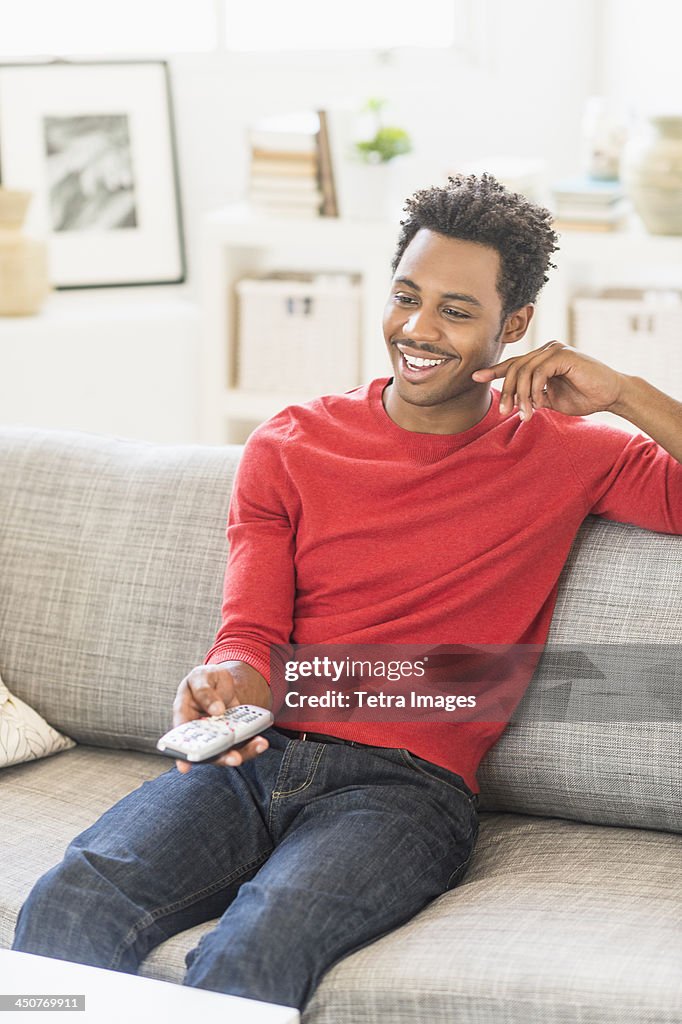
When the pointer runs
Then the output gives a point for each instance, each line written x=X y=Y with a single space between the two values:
x=211 y=690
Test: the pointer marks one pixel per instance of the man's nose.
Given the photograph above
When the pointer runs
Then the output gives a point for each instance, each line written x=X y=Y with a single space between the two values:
x=421 y=326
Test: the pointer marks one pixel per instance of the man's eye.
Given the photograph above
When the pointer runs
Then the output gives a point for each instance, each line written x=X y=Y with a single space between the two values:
x=456 y=313
x=404 y=298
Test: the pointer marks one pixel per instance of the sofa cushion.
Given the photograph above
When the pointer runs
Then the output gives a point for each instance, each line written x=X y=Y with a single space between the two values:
x=598 y=735
x=554 y=922
x=50 y=802
x=113 y=556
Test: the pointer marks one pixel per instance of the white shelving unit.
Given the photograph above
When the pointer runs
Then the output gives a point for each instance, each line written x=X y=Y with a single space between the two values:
x=237 y=243
x=120 y=361
x=588 y=261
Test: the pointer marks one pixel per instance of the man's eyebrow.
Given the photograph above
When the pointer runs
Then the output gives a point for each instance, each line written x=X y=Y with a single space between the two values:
x=458 y=296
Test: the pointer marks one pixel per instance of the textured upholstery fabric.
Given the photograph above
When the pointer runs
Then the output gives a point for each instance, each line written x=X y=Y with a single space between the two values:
x=113 y=555
x=49 y=802
x=555 y=922
x=622 y=586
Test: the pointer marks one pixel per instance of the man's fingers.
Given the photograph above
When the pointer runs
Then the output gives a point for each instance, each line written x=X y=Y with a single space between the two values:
x=534 y=377
x=540 y=367
x=507 y=395
x=500 y=369
x=520 y=380
x=538 y=392
x=244 y=752
x=492 y=372
x=497 y=370
x=183 y=705
x=514 y=388
x=231 y=758
x=205 y=694
x=198 y=695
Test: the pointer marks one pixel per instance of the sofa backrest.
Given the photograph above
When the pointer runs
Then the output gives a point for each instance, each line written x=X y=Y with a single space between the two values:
x=598 y=735
x=113 y=554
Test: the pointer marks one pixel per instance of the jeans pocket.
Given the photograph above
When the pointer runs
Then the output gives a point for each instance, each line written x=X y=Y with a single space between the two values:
x=438 y=774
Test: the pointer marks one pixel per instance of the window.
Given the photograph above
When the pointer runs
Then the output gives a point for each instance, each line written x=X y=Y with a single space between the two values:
x=48 y=28
x=68 y=28
x=350 y=25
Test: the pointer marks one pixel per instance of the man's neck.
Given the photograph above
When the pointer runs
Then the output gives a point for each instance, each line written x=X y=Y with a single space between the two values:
x=454 y=417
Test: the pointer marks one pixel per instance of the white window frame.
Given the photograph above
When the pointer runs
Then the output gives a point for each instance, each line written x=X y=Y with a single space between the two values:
x=469 y=47
x=472 y=15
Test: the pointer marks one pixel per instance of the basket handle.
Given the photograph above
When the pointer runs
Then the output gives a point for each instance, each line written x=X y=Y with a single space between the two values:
x=643 y=322
x=307 y=303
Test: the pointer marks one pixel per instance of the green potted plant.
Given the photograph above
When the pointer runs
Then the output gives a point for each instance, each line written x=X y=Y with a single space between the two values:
x=370 y=170
x=387 y=141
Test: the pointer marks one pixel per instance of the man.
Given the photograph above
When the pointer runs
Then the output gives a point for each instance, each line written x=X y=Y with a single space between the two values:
x=423 y=508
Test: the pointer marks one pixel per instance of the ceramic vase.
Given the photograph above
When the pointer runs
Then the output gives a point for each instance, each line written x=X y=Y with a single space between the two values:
x=24 y=283
x=652 y=174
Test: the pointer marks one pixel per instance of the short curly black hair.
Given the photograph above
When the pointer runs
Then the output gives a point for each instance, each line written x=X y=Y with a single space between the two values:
x=481 y=209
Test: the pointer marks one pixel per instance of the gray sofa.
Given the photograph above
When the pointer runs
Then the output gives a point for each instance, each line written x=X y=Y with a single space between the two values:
x=112 y=556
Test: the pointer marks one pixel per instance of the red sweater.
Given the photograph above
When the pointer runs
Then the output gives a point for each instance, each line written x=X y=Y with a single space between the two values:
x=345 y=528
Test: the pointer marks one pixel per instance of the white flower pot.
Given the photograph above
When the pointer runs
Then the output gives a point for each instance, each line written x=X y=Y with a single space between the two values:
x=367 y=188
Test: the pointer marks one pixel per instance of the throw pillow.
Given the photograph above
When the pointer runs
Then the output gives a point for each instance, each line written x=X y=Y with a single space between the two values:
x=24 y=735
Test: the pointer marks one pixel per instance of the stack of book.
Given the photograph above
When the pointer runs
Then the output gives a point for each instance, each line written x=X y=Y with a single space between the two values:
x=290 y=172
x=586 y=204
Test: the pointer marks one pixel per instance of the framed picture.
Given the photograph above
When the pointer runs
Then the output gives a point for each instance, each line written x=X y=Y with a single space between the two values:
x=94 y=142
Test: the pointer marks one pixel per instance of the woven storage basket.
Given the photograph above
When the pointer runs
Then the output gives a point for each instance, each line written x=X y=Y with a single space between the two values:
x=298 y=334
x=635 y=332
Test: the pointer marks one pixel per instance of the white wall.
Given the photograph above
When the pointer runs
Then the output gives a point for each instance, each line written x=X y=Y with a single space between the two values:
x=642 y=57
x=522 y=95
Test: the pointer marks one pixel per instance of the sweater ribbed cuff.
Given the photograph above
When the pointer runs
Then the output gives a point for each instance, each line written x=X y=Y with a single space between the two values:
x=256 y=660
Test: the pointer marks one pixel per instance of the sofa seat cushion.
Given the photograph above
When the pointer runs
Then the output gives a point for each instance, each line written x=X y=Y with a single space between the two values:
x=48 y=802
x=556 y=921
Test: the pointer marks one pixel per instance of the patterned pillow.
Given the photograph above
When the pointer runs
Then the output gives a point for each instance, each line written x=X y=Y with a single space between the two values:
x=24 y=735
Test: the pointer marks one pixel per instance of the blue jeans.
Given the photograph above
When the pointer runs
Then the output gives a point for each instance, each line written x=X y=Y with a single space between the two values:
x=304 y=854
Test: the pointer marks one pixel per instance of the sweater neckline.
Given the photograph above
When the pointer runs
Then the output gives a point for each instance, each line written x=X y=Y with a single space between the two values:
x=425 y=443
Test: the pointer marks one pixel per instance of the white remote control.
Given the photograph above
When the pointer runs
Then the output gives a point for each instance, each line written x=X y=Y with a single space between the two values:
x=204 y=738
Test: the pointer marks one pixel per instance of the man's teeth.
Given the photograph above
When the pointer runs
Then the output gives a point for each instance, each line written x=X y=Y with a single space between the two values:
x=414 y=362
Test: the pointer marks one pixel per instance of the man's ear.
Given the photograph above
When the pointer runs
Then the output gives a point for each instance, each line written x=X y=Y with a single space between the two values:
x=516 y=324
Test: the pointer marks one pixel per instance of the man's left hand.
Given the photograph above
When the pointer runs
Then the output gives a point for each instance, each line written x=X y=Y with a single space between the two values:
x=555 y=377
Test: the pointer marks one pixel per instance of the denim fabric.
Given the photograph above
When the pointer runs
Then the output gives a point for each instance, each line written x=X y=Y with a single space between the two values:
x=304 y=854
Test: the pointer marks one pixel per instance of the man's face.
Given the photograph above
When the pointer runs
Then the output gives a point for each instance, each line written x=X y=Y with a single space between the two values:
x=444 y=307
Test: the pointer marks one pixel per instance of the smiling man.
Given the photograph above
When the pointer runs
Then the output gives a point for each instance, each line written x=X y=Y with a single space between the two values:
x=421 y=508
x=438 y=336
